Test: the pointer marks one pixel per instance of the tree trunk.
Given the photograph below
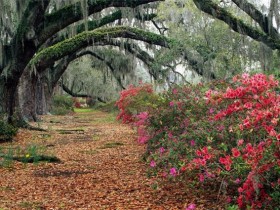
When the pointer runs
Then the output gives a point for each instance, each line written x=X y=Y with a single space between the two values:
x=43 y=97
x=7 y=99
x=26 y=94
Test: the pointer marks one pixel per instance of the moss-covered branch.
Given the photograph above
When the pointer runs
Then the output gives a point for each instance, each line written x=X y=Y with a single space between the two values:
x=262 y=19
x=60 y=19
x=94 y=24
x=253 y=12
x=71 y=93
x=208 y=6
x=47 y=56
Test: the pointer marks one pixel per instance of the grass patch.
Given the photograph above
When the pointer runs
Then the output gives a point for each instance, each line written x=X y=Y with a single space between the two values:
x=83 y=110
x=44 y=135
x=29 y=154
x=95 y=137
x=111 y=145
x=31 y=205
x=75 y=131
x=89 y=152
x=7 y=188
x=110 y=118
x=107 y=107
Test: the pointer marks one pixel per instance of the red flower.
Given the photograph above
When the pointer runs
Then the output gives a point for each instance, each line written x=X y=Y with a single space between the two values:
x=226 y=161
x=235 y=152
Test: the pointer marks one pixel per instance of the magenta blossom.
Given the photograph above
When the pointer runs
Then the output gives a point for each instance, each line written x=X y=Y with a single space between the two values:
x=153 y=164
x=174 y=91
x=161 y=150
x=201 y=177
x=192 y=142
x=173 y=172
x=191 y=207
x=237 y=181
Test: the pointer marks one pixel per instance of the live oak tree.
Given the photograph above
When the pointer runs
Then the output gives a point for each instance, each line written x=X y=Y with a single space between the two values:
x=32 y=39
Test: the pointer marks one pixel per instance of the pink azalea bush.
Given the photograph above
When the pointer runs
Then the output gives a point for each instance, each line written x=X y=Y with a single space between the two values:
x=216 y=132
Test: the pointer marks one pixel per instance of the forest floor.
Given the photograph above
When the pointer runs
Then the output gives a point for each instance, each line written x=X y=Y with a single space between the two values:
x=101 y=168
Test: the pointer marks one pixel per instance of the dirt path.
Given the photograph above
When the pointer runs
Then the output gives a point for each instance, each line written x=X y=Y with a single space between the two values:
x=101 y=169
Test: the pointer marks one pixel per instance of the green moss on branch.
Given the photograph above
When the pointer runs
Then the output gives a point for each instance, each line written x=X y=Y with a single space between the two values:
x=61 y=49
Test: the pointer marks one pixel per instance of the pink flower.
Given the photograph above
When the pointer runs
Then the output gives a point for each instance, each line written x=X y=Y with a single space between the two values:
x=171 y=103
x=240 y=142
x=211 y=110
x=237 y=181
x=191 y=207
x=170 y=135
x=229 y=199
x=192 y=142
x=173 y=172
x=161 y=150
x=174 y=91
x=153 y=164
x=201 y=178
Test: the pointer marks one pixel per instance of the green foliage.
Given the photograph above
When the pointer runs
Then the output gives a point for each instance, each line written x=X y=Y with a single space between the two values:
x=29 y=154
x=62 y=105
x=107 y=107
x=111 y=145
x=7 y=131
x=232 y=207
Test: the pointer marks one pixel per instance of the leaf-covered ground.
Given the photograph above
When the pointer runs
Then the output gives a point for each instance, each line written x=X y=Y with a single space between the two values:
x=100 y=168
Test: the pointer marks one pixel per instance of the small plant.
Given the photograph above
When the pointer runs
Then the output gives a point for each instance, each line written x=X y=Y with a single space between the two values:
x=29 y=154
x=7 y=131
x=111 y=145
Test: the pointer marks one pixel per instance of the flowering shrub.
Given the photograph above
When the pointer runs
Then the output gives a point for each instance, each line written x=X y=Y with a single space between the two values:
x=229 y=131
x=254 y=101
x=134 y=100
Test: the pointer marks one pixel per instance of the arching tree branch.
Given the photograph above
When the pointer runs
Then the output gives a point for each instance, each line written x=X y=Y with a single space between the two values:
x=208 y=6
x=94 y=24
x=49 y=55
x=60 y=19
x=67 y=90
x=259 y=17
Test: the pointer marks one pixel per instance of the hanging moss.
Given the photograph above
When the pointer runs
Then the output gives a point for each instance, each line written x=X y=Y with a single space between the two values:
x=23 y=26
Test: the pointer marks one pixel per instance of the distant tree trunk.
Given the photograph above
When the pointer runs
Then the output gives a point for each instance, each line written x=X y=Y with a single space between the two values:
x=43 y=97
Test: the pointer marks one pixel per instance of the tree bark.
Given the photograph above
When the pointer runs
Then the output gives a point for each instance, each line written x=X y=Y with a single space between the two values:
x=27 y=94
